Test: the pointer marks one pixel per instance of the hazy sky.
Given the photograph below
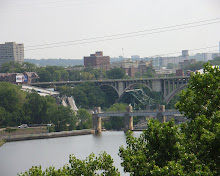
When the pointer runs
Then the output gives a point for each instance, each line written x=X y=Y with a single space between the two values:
x=39 y=22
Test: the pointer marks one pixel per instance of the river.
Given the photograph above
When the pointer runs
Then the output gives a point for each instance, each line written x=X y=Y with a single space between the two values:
x=16 y=157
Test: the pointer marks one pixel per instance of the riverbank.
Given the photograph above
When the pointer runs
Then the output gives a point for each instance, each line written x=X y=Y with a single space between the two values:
x=46 y=135
x=2 y=142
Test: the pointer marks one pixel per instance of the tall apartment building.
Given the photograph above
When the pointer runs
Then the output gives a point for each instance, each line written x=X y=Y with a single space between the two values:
x=10 y=51
x=97 y=60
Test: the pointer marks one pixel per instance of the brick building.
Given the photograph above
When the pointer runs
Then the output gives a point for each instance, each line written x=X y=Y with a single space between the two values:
x=26 y=77
x=131 y=67
x=97 y=60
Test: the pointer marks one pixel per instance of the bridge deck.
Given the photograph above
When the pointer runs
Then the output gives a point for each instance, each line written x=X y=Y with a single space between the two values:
x=137 y=113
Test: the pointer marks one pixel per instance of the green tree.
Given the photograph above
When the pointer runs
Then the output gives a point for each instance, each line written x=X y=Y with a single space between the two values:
x=92 y=165
x=84 y=118
x=62 y=117
x=164 y=149
x=201 y=104
x=11 y=104
x=115 y=73
x=195 y=66
x=35 y=108
x=44 y=75
x=15 y=67
x=116 y=123
x=215 y=61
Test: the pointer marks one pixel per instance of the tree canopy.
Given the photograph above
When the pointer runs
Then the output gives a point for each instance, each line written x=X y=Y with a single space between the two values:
x=115 y=73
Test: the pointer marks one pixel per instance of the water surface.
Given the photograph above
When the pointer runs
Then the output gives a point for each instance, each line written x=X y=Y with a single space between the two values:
x=16 y=157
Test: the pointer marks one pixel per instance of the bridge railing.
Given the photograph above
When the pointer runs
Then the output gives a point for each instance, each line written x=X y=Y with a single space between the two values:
x=137 y=113
x=155 y=110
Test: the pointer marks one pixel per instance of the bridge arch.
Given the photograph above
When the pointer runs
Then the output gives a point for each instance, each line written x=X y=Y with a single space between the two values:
x=173 y=93
x=130 y=86
x=109 y=85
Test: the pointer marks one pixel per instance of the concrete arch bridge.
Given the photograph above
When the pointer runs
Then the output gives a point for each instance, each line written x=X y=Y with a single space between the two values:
x=168 y=85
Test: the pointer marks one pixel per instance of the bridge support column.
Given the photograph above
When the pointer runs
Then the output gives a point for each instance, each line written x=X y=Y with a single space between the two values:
x=160 y=117
x=120 y=88
x=128 y=120
x=156 y=85
x=97 y=121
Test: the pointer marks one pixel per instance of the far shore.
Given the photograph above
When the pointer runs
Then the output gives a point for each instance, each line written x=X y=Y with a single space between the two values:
x=22 y=137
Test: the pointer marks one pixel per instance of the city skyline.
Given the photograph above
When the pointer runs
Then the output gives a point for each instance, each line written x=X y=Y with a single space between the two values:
x=46 y=22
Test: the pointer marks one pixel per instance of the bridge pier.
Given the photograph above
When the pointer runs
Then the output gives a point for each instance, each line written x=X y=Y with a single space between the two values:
x=97 y=121
x=160 y=117
x=127 y=119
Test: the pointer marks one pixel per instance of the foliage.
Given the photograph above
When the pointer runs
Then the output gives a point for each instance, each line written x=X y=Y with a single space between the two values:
x=1 y=142
x=153 y=151
x=84 y=118
x=15 y=67
x=195 y=66
x=203 y=94
x=86 y=95
x=35 y=107
x=192 y=149
x=148 y=73
x=17 y=107
x=11 y=104
x=9 y=130
x=215 y=61
x=63 y=118
x=116 y=123
x=92 y=165
x=115 y=73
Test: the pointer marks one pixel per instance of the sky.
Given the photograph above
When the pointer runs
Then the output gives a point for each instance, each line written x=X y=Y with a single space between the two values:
x=72 y=29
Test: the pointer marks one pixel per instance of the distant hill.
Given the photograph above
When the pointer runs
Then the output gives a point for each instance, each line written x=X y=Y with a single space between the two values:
x=64 y=62
x=55 y=62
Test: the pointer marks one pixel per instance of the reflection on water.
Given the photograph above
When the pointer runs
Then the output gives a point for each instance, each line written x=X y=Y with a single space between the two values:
x=16 y=157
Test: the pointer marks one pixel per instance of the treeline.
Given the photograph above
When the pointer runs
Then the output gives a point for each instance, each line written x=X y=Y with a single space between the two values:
x=199 y=65
x=55 y=62
x=59 y=73
x=17 y=107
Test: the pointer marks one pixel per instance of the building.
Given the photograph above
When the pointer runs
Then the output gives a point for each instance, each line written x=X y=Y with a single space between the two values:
x=97 y=60
x=19 y=78
x=187 y=62
x=131 y=67
x=10 y=51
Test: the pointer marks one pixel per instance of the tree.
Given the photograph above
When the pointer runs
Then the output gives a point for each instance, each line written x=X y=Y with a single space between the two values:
x=62 y=117
x=115 y=73
x=92 y=165
x=15 y=67
x=215 y=61
x=12 y=100
x=116 y=123
x=84 y=118
x=203 y=94
x=44 y=75
x=35 y=108
x=194 y=67
x=201 y=104
x=194 y=149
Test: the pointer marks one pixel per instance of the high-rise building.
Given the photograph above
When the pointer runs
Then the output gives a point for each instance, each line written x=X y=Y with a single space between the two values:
x=97 y=60
x=10 y=51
